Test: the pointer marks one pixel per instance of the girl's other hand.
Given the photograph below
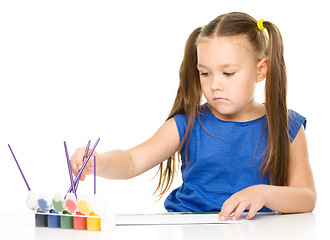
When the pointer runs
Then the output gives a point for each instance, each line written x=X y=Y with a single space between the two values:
x=77 y=162
x=251 y=198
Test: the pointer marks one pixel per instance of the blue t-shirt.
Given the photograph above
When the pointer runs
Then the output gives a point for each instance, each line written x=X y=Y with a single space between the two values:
x=223 y=164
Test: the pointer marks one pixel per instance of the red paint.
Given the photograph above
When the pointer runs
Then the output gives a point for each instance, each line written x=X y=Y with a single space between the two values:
x=80 y=223
x=70 y=205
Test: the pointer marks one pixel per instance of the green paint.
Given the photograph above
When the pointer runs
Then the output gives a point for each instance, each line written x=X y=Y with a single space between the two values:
x=66 y=221
x=58 y=205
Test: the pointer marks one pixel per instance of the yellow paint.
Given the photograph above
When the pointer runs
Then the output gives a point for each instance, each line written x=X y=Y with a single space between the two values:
x=93 y=224
x=84 y=206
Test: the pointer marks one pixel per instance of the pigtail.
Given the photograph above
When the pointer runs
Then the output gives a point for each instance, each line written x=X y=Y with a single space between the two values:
x=277 y=152
x=187 y=102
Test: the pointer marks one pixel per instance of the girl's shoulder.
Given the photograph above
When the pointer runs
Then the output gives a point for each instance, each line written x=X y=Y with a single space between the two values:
x=181 y=119
x=295 y=121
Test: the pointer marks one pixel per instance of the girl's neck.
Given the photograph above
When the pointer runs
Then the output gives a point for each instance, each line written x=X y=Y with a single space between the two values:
x=252 y=111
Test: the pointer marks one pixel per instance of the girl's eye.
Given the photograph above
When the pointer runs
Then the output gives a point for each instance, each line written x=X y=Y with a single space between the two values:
x=205 y=74
x=228 y=74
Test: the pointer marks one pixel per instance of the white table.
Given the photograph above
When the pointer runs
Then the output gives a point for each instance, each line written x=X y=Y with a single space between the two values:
x=289 y=226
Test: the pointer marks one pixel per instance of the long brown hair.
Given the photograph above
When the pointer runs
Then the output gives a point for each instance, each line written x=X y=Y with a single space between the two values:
x=189 y=94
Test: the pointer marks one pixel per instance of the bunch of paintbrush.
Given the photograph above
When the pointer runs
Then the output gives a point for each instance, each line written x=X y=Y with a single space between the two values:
x=75 y=183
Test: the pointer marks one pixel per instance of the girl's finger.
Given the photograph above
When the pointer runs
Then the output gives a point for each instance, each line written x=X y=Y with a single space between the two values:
x=252 y=212
x=74 y=168
x=82 y=177
x=227 y=208
x=239 y=210
x=77 y=159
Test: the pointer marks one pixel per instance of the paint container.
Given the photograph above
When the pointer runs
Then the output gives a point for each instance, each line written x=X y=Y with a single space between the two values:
x=99 y=208
x=93 y=222
x=54 y=220
x=66 y=221
x=43 y=203
x=80 y=223
x=84 y=205
x=58 y=202
x=108 y=223
x=71 y=203
x=41 y=219
x=32 y=200
x=98 y=205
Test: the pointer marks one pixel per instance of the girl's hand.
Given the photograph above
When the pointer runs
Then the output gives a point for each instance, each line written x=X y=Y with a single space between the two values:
x=77 y=162
x=251 y=198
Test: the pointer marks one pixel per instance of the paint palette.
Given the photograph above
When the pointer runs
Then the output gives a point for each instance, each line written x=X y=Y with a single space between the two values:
x=70 y=212
x=76 y=221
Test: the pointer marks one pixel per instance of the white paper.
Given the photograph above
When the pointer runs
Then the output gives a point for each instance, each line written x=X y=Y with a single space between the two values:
x=173 y=218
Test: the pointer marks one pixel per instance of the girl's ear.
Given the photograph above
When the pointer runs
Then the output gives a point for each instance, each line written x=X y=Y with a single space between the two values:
x=262 y=69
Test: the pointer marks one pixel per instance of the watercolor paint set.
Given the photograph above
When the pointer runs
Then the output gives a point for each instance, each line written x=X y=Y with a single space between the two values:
x=75 y=221
x=69 y=212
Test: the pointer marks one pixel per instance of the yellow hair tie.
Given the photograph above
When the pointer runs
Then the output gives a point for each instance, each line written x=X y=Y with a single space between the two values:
x=203 y=27
x=260 y=24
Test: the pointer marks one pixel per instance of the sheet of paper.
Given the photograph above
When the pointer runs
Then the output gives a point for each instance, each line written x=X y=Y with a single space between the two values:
x=172 y=219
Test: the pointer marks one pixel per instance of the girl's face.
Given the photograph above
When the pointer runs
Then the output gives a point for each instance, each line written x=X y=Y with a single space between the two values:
x=229 y=73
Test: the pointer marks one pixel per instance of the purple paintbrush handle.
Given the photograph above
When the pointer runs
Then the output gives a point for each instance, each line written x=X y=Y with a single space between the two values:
x=85 y=163
x=69 y=167
x=19 y=168
x=76 y=180
x=87 y=148
x=94 y=175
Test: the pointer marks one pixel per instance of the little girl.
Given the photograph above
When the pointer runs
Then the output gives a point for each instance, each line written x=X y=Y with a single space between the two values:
x=236 y=153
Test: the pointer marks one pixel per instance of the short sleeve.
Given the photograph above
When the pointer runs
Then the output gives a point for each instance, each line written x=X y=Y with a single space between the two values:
x=295 y=122
x=181 y=123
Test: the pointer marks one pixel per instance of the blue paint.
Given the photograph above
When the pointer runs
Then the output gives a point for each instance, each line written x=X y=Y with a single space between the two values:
x=43 y=205
x=53 y=220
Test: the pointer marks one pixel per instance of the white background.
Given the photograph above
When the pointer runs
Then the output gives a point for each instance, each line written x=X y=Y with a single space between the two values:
x=78 y=70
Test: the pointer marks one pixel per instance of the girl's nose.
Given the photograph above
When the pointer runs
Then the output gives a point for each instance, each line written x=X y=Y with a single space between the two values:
x=217 y=83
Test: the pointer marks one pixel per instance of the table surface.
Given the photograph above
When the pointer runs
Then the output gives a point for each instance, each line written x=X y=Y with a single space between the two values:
x=284 y=226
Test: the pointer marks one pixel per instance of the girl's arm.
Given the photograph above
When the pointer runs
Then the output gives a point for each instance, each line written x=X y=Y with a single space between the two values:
x=121 y=164
x=298 y=196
